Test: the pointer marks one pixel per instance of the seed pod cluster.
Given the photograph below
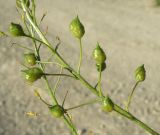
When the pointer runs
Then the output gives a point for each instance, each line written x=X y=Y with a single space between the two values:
x=77 y=28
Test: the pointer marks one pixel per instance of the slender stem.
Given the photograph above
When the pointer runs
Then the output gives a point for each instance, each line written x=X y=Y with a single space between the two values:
x=31 y=33
x=49 y=62
x=49 y=59
x=32 y=23
x=68 y=123
x=70 y=126
x=134 y=119
x=50 y=91
x=24 y=21
x=59 y=75
x=130 y=97
x=34 y=11
x=41 y=65
x=35 y=39
x=64 y=98
x=81 y=79
x=21 y=46
x=87 y=103
x=57 y=82
x=44 y=101
x=80 y=56
x=86 y=83
x=42 y=17
x=99 y=82
x=39 y=96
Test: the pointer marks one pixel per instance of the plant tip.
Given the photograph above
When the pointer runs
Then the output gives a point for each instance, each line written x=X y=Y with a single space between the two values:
x=77 y=28
x=140 y=73
x=99 y=55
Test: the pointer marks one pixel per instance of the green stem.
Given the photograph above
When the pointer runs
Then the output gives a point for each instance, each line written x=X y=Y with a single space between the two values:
x=67 y=122
x=57 y=82
x=130 y=96
x=99 y=82
x=49 y=62
x=59 y=75
x=50 y=91
x=134 y=119
x=81 y=79
x=64 y=98
x=34 y=11
x=80 y=56
x=44 y=101
x=34 y=39
x=70 y=126
x=33 y=25
x=87 y=103
x=41 y=65
x=24 y=47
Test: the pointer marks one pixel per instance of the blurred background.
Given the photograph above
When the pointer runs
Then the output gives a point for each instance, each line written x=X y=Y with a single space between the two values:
x=128 y=31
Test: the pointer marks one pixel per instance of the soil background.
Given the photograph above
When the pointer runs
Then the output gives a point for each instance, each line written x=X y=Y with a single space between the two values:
x=128 y=31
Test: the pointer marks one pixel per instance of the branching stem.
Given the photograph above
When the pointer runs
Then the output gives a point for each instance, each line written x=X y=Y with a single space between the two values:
x=134 y=119
x=84 y=104
x=82 y=80
x=57 y=82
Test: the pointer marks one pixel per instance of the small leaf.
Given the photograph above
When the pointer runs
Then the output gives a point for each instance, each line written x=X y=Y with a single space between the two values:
x=36 y=93
x=2 y=34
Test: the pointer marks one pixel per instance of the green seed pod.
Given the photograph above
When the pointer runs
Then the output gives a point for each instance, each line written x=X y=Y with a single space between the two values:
x=101 y=67
x=30 y=59
x=16 y=30
x=140 y=74
x=18 y=3
x=33 y=74
x=57 y=111
x=99 y=55
x=77 y=28
x=107 y=105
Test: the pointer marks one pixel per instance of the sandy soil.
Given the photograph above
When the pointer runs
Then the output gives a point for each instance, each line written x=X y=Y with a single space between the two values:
x=129 y=32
